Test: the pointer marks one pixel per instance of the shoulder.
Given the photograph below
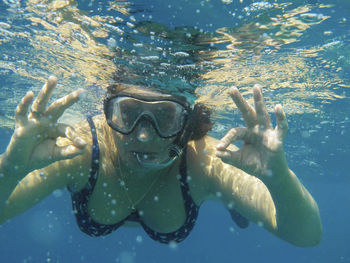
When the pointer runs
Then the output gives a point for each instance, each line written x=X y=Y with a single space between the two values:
x=200 y=157
x=206 y=169
x=77 y=170
x=84 y=130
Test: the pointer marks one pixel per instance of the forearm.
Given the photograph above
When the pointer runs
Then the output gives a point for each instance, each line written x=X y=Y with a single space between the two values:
x=10 y=175
x=297 y=215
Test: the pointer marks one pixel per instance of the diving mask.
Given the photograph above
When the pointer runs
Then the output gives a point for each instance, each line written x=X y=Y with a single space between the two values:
x=167 y=115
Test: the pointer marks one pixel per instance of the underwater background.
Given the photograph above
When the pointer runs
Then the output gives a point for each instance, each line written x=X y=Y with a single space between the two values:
x=299 y=51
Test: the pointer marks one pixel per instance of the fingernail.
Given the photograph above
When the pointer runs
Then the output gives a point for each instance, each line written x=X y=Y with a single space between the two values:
x=70 y=149
x=278 y=108
x=233 y=90
x=31 y=93
x=52 y=80
x=257 y=92
x=80 y=142
x=220 y=145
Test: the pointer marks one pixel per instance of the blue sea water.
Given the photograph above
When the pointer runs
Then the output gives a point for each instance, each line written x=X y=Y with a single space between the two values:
x=298 y=50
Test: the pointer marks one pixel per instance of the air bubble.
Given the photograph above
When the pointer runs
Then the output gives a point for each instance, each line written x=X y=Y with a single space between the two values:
x=57 y=193
x=269 y=173
x=305 y=134
x=138 y=239
x=173 y=245
x=111 y=43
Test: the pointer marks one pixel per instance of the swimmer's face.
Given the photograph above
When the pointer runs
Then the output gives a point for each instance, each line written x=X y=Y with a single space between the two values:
x=144 y=144
x=145 y=123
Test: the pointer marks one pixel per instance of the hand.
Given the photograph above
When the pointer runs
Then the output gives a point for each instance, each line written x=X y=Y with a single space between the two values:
x=262 y=151
x=33 y=144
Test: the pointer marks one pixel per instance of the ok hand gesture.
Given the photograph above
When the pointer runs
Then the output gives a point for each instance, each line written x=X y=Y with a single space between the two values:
x=262 y=153
x=33 y=144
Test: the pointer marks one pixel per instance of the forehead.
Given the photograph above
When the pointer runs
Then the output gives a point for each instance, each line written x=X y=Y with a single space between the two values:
x=147 y=94
x=143 y=91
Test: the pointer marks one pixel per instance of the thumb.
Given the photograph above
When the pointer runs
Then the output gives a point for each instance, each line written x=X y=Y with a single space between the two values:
x=66 y=152
x=230 y=157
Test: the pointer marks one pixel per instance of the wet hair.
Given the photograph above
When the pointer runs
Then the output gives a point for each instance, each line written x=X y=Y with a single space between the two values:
x=202 y=121
x=200 y=116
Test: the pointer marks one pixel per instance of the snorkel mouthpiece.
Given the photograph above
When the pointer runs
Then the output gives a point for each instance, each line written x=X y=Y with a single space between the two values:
x=147 y=162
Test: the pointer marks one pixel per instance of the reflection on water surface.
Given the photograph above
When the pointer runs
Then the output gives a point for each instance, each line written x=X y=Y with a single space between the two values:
x=289 y=48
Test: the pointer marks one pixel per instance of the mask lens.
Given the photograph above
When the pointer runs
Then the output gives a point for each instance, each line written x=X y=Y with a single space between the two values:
x=167 y=117
x=123 y=114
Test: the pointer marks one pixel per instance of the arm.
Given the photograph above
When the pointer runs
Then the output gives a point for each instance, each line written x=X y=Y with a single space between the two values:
x=271 y=195
x=34 y=145
x=40 y=183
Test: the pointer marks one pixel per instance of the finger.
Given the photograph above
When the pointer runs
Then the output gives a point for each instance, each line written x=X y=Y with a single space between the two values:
x=56 y=109
x=41 y=101
x=67 y=131
x=260 y=107
x=66 y=152
x=282 y=123
x=23 y=108
x=247 y=111
x=234 y=134
x=231 y=157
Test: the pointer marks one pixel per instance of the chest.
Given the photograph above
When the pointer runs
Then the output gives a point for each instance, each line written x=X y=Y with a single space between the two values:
x=161 y=205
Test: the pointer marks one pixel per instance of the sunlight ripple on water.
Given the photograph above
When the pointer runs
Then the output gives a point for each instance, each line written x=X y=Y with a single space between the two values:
x=91 y=51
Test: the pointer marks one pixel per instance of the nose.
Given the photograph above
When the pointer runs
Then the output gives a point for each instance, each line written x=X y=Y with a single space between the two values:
x=145 y=132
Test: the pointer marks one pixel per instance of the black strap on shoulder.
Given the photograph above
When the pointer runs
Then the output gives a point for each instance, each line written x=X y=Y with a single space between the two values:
x=240 y=220
x=95 y=156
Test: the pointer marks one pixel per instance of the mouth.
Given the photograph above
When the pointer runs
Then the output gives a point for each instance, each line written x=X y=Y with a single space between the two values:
x=152 y=159
x=145 y=156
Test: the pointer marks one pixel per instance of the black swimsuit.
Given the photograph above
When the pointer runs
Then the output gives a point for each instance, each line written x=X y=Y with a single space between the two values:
x=89 y=226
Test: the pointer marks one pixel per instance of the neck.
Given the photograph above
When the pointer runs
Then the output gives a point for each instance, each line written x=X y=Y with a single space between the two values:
x=137 y=179
x=130 y=172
